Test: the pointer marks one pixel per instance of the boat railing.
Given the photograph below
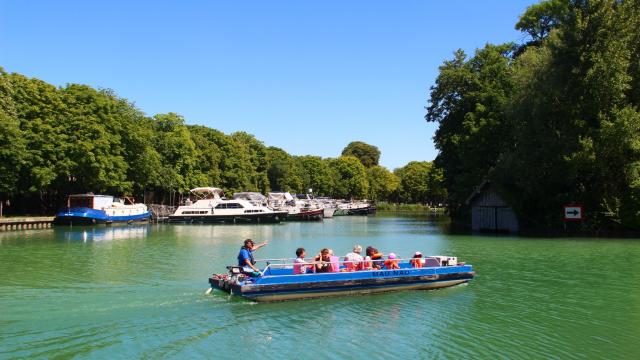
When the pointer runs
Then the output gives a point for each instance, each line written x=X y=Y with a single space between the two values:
x=287 y=263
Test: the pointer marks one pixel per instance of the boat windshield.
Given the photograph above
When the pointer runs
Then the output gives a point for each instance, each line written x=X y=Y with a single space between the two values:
x=81 y=201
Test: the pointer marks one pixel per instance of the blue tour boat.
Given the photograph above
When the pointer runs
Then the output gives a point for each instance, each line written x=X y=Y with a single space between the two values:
x=89 y=209
x=278 y=282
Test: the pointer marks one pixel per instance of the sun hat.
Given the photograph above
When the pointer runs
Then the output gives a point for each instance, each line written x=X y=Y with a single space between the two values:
x=357 y=249
x=418 y=253
x=392 y=256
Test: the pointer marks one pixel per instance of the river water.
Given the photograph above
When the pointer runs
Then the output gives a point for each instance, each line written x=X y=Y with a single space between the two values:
x=138 y=292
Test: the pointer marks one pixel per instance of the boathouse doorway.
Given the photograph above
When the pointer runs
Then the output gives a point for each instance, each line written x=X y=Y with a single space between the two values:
x=489 y=211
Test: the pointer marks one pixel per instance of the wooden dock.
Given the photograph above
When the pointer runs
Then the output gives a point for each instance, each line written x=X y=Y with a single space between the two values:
x=25 y=223
x=160 y=213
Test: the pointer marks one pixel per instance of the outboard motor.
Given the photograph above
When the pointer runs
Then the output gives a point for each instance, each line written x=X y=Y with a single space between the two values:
x=236 y=274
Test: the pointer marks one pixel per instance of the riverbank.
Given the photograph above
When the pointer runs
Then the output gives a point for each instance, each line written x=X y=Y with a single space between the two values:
x=391 y=207
x=25 y=218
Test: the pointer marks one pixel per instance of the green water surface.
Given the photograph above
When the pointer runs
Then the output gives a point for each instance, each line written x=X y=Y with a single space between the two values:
x=138 y=292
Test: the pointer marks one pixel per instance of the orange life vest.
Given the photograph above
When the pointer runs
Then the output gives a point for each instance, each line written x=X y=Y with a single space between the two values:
x=391 y=264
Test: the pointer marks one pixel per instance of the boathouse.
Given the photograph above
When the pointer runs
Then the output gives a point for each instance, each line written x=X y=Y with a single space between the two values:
x=490 y=212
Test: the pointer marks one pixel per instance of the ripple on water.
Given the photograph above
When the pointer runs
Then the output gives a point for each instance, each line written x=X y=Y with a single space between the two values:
x=142 y=296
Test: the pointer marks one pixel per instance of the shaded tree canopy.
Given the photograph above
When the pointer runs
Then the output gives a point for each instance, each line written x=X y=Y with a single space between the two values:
x=368 y=155
x=554 y=122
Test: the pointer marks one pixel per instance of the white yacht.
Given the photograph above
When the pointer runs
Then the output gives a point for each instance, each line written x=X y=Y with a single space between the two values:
x=296 y=208
x=210 y=206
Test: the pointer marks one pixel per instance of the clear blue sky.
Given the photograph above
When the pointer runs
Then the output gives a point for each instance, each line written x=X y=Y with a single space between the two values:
x=306 y=76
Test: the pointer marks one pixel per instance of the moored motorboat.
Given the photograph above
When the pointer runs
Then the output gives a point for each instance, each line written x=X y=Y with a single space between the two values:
x=305 y=214
x=89 y=209
x=210 y=207
x=355 y=208
x=278 y=282
x=297 y=209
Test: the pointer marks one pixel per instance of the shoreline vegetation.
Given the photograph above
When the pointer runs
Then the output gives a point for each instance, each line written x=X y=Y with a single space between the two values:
x=549 y=122
x=56 y=141
x=399 y=207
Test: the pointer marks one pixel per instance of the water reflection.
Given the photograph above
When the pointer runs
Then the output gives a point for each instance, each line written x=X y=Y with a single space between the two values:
x=102 y=233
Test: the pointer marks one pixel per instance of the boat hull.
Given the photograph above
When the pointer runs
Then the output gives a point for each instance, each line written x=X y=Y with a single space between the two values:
x=295 y=287
x=312 y=215
x=328 y=212
x=88 y=216
x=255 y=218
x=354 y=292
x=356 y=211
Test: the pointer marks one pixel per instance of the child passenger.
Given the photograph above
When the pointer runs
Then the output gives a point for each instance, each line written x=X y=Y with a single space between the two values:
x=299 y=265
x=417 y=261
x=391 y=263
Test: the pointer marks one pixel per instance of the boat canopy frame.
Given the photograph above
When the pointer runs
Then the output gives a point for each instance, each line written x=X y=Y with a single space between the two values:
x=286 y=263
x=203 y=193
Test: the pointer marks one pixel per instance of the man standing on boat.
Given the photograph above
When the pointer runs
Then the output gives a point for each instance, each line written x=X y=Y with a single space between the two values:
x=245 y=257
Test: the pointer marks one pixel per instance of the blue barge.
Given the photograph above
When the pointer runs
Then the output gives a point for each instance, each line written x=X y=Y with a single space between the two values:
x=278 y=283
x=89 y=209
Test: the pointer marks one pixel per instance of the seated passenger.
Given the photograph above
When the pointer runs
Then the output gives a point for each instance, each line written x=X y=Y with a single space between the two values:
x=323 y=261
x=335 y=263
x=417 y=261
x=391 y=263
x=376 y=257
x=299 y=265
x=353 y=260
x=367 y=264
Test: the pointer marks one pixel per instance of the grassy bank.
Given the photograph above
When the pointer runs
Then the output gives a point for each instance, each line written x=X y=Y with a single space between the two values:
x=385 y=206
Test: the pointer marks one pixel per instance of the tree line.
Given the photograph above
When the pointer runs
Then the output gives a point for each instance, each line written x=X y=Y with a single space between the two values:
x=551 y=121
x=56 y=141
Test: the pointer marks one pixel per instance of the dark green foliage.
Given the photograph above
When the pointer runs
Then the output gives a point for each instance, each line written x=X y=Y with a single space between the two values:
x=317 y=175
x=563 y=124
x=468 y=102
x=368 y=155
x=351 y=181
x=420 y=182
x=12 y=145
x=540 y=19
x=382 y=182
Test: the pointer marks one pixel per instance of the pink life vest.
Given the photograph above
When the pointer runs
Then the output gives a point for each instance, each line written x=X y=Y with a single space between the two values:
x=335 y=264
x=299 y=267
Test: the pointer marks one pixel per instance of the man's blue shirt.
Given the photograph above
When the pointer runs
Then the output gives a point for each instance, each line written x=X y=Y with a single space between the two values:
x=244 y=255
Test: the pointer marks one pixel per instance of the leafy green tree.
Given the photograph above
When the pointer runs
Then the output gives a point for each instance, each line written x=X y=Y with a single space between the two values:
x=283 y=172
x=351 y=177
x=317 y=174
x=258 y=156
x=539 y=19
x=12 y=145
x=93 y=145
x=468 y=103
x=178 y=152
x=209 y=154
x=382 y=182
x=368 y=155
x=414 y=182
x=580 y=80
